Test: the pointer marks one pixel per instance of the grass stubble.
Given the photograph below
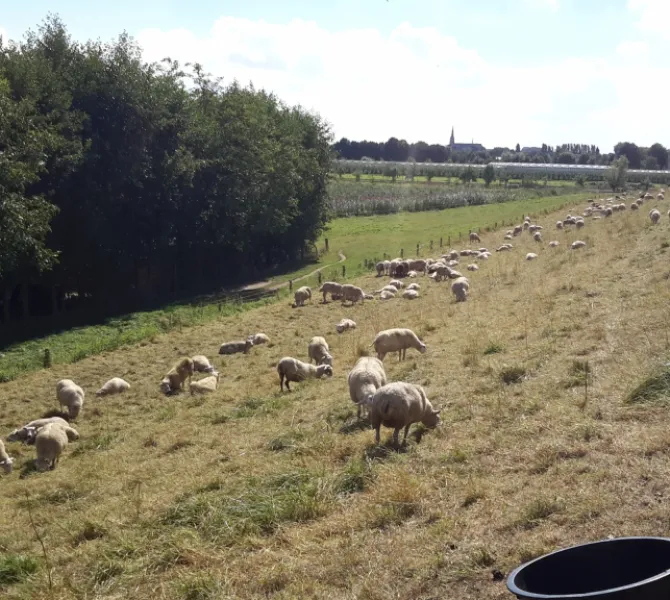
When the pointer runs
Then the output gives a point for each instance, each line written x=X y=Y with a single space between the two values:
x=250 y=493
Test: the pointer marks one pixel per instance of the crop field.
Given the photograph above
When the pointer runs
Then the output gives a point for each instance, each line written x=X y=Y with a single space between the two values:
x=555 y=431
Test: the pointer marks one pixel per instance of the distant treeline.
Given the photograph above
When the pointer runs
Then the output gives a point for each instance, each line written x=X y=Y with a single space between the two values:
x=122 y=181
x=395 y=150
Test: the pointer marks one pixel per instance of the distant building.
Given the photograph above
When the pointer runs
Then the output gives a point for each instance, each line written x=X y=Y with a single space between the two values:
x=464 y=147
x=531 y=150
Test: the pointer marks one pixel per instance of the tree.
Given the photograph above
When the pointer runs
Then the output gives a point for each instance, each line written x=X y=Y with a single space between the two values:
x=660 y=153
x=518 y=148
x=631 y=152
x=566 y=158
x=468 y=175
x=618 y=174
x=650 y=163
x=489 y=174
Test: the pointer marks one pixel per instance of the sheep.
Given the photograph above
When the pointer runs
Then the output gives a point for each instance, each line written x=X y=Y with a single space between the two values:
x=177 y=375
x=396 y=284
x=332 y=288
x=26 y=434
x=344 y=325
x=259 y=338
x=237 y=346
x=655 y=216
x=368 y=297
x=386 y=295
x=397 y=340
x=201 y=364
x=418 y=264
x=301 y=295
x=504 y=248
x=634 y=206
x=474 y=237
x=559 y=224
x=460 y=288
x=537 y=236
x=483 y=256
x=410 y=294
x=205 y=385
x=577 y=244
x=390 y=289
x=364 y=379
x=534 y=228
x=413 y=286
x=50 y=442
x=292 y=369
x=318 y=351
x=518 y=230
x=381 y=269
x=115 y=385
x=553 y=244
x=455 y=274
x=608 y=212
x=508 y=236
x=580 y=223
x=639 y=202
x=472 y=267
x=352 y=293
x=451 y=255
x=7 y=461
x=531 y=256
x=69 y=394
x=399 y=405
x=660 y=196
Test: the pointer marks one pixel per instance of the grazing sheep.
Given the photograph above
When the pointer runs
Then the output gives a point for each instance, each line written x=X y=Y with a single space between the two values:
x=50 y=442
x=381 y=269
x=580 y=223
x=352 y=293
x=318 y=351
x=397 y=340
x=69 y=394
x=396 y=284
x=577 y=244
x=608 y=212
x=302 y=294
x=332 y=288
x=474 y=237
x=660 y=196
x=634 y=206
x=410 y=294
x=259 y=338
x=460 y=288
x=344 y=325
x=553 y=244
x=386 y=295
x=366 y=377
x=518 y=230
x=639 y=202
x=238 y=346
x=537 y=236
x=655 y=216
x=7 y=461
x=559 y=224
x=531 y=256
x=26 y=434
x=177 y=375
x=292 y=369
x=115 y=385
x=399 y=405
x=205 y=385
x=472 y=267
x=413 y=286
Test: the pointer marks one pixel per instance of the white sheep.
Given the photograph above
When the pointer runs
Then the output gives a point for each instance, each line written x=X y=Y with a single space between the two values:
x=504 y=248
x=579 y=223
x=472 y=267
x=50 y=442
x=69 y=394
x=634 y=206
x=381 y=269
x=537 y=236
x=292 y=369
x=553 y=244
x=344 y=325
x=330 y=287
x=577 y=244
x=177 y=375
x=460 y=288
x=205 y=385
x=390 y=289
x=201 y=364
x=399 y=405
x=115 y=385
x=396 y=284
x=410 y=294
x=508 y=236
x=352 y=293
x=413 y=286
x=518 y=230
x=6 y=461
x=531 y=256
x=559 y=224
x=259 y=338
x=318 y=351
x=386 y=295
x=417 y=264
x=366 y=377
x=397 y=340
x=238 y=346
x=655 y=216
x=26 y=434
x=474 y=237
x=302 y=294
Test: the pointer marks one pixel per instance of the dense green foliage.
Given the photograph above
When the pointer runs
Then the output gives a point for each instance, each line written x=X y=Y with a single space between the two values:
x=122 y=181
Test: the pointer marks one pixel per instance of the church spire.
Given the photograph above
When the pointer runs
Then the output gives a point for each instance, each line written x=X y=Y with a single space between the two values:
x=451 y=139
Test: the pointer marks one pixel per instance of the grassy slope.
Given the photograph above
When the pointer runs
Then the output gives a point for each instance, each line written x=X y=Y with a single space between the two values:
x=359 y=238
x=249 y=493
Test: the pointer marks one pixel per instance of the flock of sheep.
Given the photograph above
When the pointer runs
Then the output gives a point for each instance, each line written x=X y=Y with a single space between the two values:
x=396 y=405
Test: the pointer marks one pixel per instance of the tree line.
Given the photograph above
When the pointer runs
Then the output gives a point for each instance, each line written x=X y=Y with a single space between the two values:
x=122 y=181
x=394 y=150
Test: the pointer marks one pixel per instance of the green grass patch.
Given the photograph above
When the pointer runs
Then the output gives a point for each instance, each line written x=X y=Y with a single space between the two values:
x=15 y=568
x=655 y=388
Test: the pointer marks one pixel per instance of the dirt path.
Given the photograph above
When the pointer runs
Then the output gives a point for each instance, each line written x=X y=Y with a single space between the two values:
x=259 y=285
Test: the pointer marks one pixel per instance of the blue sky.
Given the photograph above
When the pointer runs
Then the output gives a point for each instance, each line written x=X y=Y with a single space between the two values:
x=500 y=71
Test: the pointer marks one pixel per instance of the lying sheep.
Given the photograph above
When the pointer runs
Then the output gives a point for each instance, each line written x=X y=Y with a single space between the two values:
x=397 y=340
x=50 y=442
x=386 y=295
x=259 y=338
x=413 y=286
x=418 y=264
x=553 y=244
x=332 y=288
x=27 y=433
x=580 y=223
x=366 y=377
x=577 y=244
x=205 y=385
x=390 y=289
x=410 y=294
x=344 y=325
x=472 y=267
x=69 y=394
x=352 y=293
x=460 y=288
x=237 y=346
x=655 y=216
x=508 y=236
x=318 y=351
x=399 y=405
x=537 y=236
x=201 y=364
x=6 y=461
x=396 y=284
x=559 y=224
x=531 y=256
x=177 y=375
x=115 y=385
x=292 y=369
x=302 y=294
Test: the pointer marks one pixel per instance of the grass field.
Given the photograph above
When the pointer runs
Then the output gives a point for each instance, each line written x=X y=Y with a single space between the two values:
x=359 y=238
x=555 y=431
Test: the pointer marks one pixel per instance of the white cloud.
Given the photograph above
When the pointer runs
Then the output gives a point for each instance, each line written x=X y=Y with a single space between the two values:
x=415 y=83
x=652 y=15
x=552 y=5
x=631 y=50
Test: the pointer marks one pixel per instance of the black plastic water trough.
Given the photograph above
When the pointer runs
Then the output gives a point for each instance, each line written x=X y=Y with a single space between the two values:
x=630 y=568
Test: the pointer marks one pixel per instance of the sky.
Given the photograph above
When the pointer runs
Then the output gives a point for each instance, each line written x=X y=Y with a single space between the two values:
x=501 y=72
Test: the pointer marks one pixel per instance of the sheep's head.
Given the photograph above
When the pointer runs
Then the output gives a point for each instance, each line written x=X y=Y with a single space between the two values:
x=422 y=347
x=7 y=464
x=42 y=464
x=327 y=359
x=72 y=434
x=18 y=435
x=431 y=419
x=326 y=370
x=165 y=386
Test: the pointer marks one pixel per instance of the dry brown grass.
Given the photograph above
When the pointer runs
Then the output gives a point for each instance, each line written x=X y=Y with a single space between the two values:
x=250 y=493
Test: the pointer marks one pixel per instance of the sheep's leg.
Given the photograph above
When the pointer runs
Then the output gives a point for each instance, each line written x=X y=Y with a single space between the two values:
x=358 y=414
x=288 y=388
x=377 y=428
x=281 y=383
x=404 y=439
x=381 y=355
x=396 y=432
